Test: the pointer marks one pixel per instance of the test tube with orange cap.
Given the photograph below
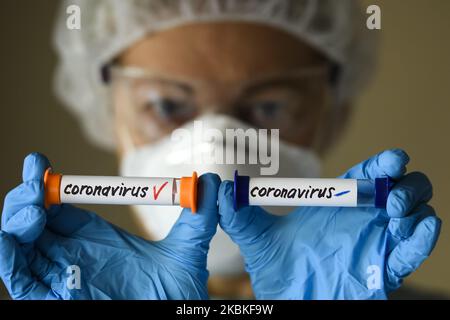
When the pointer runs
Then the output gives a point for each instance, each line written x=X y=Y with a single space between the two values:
x=120 y=190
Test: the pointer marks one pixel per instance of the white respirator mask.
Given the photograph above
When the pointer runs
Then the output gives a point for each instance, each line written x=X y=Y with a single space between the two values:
x=169 y=158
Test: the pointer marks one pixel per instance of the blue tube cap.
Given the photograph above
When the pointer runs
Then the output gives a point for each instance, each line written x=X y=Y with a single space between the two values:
x=240 y=191
x=383 y=187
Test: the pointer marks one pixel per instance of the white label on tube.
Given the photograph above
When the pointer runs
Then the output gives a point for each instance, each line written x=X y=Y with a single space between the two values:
x=303 y=192
x=116 y=190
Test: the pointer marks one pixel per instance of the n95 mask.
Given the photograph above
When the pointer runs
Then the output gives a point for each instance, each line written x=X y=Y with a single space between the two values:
x=174 y=156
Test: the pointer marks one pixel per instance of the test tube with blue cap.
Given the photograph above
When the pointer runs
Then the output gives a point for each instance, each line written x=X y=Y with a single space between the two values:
x=308 y=192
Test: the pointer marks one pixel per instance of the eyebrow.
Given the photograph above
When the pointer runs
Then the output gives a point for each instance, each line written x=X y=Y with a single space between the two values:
x=184 y=86
x=131 y=70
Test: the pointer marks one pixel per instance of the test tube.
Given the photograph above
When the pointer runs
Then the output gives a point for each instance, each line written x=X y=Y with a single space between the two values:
x=270 y=191
x=120 y=190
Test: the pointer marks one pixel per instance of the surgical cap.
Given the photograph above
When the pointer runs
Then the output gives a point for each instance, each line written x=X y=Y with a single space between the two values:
x=337 y=29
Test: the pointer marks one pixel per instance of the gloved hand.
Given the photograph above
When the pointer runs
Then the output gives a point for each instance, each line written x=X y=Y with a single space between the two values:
x=38 y=248
x=337 y=253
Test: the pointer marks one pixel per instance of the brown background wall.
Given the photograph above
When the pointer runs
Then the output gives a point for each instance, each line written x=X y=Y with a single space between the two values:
x=407 y=106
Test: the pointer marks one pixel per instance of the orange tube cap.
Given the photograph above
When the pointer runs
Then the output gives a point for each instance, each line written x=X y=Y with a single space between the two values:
x=52 y=184
x=188 y=192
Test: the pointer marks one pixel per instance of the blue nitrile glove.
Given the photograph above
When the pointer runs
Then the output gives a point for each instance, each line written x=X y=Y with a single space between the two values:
x=337 y=253
x=41 y=251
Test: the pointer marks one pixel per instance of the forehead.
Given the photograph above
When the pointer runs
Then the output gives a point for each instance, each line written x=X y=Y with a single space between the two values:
x=221 y=51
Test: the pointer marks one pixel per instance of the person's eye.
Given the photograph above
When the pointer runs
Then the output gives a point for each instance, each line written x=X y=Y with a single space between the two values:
x=263 y=113
x=267 y=109
x=168 y=109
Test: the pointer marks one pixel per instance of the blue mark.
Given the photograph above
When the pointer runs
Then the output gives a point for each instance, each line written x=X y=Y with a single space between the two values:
x=342 y=193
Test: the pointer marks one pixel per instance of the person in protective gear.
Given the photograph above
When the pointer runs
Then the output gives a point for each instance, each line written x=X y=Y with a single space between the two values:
x=141 y=69
x=137 y=71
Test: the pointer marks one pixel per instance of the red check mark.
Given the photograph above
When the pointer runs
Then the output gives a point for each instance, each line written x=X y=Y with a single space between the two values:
x=156 y=193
